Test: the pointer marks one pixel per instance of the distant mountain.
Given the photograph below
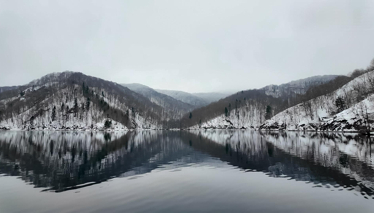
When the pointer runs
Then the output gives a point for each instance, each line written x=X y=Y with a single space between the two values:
x=172 y=108
x=195 y=99
x=72 y=100
x=297 y=87
x=211 y=96
x=3 y=89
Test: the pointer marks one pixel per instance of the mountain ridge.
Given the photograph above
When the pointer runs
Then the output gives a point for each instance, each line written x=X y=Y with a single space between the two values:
x=72 y=100
x=173 y=108
x=185 y=97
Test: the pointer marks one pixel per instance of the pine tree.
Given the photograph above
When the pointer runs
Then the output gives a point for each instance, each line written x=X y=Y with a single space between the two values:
x=54 y=113
x=226 y=112
x=268 y=112
x=67 y=112
x=190 y=115
x=107 y=124
x=88 y=104
x=340 y=104
x=83 y=88
x=75 y=107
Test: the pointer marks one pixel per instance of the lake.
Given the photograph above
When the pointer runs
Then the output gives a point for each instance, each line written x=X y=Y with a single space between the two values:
x=185 y=171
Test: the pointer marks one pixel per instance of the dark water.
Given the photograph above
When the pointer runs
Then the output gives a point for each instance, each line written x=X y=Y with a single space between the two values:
x=173 y=171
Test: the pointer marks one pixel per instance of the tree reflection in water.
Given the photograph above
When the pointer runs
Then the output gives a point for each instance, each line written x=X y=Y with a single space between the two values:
x=62 y=161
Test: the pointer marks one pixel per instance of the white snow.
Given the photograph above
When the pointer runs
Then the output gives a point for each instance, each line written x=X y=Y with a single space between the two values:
x=320 y=113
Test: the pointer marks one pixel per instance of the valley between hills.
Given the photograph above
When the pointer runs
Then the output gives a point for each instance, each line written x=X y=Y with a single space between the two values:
x=75 y=101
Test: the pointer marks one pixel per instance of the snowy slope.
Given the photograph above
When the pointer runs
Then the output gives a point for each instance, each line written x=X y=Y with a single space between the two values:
x=71 y=100
x=247 y=109
x=251 y=111
x=248 y=116
x=321 y=113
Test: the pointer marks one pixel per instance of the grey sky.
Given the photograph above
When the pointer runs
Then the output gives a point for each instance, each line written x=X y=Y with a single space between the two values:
x=195 y=46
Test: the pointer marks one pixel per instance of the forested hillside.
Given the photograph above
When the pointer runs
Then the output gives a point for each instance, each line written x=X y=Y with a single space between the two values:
x=250 y=108
x=71 y=100
x=349 y=108
x=243 y=109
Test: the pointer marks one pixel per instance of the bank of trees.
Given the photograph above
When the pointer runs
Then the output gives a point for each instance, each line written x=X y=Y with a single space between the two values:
x=74 y=97
x=267 y=106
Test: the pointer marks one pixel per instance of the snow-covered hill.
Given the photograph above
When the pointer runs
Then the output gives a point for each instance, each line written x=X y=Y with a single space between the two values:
x=350 y=108
x=249 y=115
x=71 y=100
x=172 y=108
x=250 y=109
x=296 y=87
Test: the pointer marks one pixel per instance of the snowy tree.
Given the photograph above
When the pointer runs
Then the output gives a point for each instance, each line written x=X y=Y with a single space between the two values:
x=340 y=104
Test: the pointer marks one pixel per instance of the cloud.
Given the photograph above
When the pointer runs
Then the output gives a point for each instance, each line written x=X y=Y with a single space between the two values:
x=195 y=46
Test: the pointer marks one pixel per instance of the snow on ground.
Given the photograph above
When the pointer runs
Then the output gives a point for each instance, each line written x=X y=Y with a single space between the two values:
x=320 y=113
x=39 y=115
x=69 y=125
x=316 y=114
x=246 y=117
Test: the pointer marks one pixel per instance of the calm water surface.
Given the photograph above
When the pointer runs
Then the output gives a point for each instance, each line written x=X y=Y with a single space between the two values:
x=180 y=171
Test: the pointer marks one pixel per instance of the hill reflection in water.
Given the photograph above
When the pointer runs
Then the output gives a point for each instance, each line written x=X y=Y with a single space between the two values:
x=60 y=161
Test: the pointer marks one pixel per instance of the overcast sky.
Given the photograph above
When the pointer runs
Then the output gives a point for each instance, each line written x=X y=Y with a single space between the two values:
x=194 y=46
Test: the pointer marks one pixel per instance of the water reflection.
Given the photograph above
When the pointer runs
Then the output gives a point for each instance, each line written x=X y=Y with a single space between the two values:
x=67 y=160
x=62 y=161
x=326 y=160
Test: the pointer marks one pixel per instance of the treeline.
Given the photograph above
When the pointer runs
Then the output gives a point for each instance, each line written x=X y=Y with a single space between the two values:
x=270 y=105
x=76 y=97
x=328 y=87
x=228 y=106
x=72 y=97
